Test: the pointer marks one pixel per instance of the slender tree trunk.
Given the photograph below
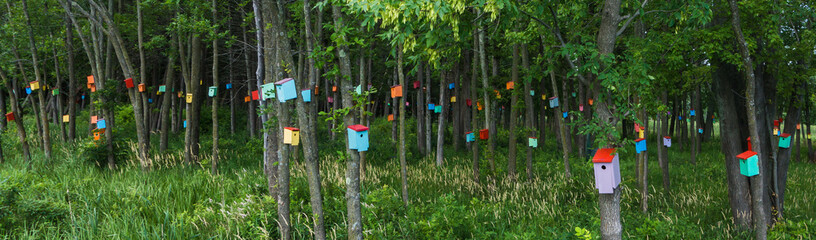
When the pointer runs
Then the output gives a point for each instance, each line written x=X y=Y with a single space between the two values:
x=440 y=133
x=72 y=89
x=420 y=105
x=58 y=97
x=18 y=117
x=215 y=157
x=511 y=156
x=474 y=96
x=663 y=152
x=529 y=110
x=757 y=184
x=142 y=97
x=562 y=130
x=46 y=135
x=485 y=87
x=167 y=97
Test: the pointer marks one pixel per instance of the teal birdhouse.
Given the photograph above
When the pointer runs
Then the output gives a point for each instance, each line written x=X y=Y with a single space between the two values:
x=100 y=124
x=358 y=137
x=162 y=88
x=470 y=137
x=553 y=102
x=286 y=89
x=532 y=142
x=785 y=140
x=267 y=90
x=306 y=94
x=565 y=114
x=438 y=109
x=212 y=91
x=749 y=163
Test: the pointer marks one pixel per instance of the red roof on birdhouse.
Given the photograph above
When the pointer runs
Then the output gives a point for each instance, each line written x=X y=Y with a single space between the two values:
x=291 y=128
x=358 y=128
x=553 y=98
x=639 y=139
x=283 y=81
x=784 y=135
x=468 y=132
x=746 y=155
x=533 y=138
x=667 y=137
x=604 y=155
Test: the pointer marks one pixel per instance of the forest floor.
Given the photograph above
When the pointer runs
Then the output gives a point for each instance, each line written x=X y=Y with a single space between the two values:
x=70 y=197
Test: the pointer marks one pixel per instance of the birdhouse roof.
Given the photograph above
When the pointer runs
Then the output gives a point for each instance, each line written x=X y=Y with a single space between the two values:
x=746 y=155
x=667 y=137
x=358 y=128
x=553 y=98
x=784 y=135
x=604 y=155
x=129 y=79
x=292 y=129
x=533 y=138
x=468 y=132
x=283 y=81
x=639 y=139
x=305 y=89
x=396 y=86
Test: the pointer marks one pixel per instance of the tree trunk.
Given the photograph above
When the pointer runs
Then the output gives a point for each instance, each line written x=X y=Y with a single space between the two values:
x=485 y=87
x=663 y=152
x=757 y=184
x=562 y=130
x=420 y=105
x=474 y=125
x=18 y=115
x=440 y=133
x=511 y=156
x=167 y=97
x=529 y=110
x=214 y=162
x=46 y=135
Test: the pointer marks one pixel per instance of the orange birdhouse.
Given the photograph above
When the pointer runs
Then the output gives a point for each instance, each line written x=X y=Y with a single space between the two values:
x=97 y=135
x=142 y=87
x=246 y=99
x=510 y=85
x=334 y=88
x=390 y=117
x=396 y=91
x=591 y=102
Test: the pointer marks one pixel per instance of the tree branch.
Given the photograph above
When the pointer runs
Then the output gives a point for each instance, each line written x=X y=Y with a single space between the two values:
x=629 y=19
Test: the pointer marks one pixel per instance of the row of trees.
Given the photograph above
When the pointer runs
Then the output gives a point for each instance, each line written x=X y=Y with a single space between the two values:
x=612 y=65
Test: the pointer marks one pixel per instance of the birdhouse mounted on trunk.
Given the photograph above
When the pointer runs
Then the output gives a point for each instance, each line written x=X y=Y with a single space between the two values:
x=390 y=117
x=532 y=142
x=484 y=134
x=416 y=84
x=565 y=114
x=129 y=83
x=396 y=91
x=247 y=98
x=28 y=90
x=142 y=87
x=532 y=92
x=35 y=85
x=553 y=102
x=189 y=98
x=55 y=92
x=291 y=136
x=438 y=109
x=453 y=99
x=185 y=124
x=162 y=88
x=101 y=124
x=692 y=113
x=358 y=137
x=228 y=86
x=700 y=130
x=90 y=80
x=331 y=99
x=97 y=136
x=510 y=85
x=607 y=170
x=785 y=140
x=667 y=141
x=286 y=90
x=94 y=119
x=10 y=116
x=212 y=91
x=255 y=96
x=470 y=137
x=469 y=102
x=451 y=85
x=749 y=163
x=640 y=145
x=306 y=94
x=431 y=106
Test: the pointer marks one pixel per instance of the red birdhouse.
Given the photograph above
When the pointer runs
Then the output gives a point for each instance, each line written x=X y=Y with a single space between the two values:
x=484 y=134
x=129 y=83
x=10 y=116
x=416 y=84
x=469 y=102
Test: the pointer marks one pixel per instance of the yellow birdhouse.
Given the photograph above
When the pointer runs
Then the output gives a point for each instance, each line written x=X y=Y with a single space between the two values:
x=453 y=99
x=35 y=85
x=189 y=98
x=291 y=136
x=66 y=118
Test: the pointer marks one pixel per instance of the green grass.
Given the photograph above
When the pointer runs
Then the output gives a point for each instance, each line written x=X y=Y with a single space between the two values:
x=70 y=197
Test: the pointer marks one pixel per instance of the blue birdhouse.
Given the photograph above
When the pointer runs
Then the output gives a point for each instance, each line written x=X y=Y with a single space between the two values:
x=229 y=86
x=358 y=137
x=185 y=123
x=532 y=92
x=450 y=85
x=100 y=124
x=430 y=106
x=307 y=95
x=83 y=97
x=640 y=145
x=749 y=163
x=28 y=90
x=286 y=89
x=565 y=114
x=692 y=113
x=150 y=100
x=470 y=137
x=785 y=140
x=553 y=102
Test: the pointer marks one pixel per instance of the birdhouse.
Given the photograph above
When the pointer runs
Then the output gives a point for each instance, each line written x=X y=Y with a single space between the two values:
x=28 y=90
x=189 y=98
x=212 y=91
x=291 y=136
x=94 y=119
x=306 y=94
x=607 y=170
x=749 y=163
x=581 y=107
x=101 y=124
x=317 y=90
x=162 y=88
x=438 y=109
x=247 y=99
x=479 y=106
x=90 y=80
x=469 y=102
x=776 y=123
x=591 y=101
x=396 y=91
x=510 y=85
x=286 y=90
x=34 y=85
x=700 y=130
x=640 y=145
x=641 y=134
x=692 y=113
x=554 y=102
x=573 y=94
x=470 y=137
x=255 y=95
x=390 y=117
x=268 y=91
x=776 y=131
x=330 y=99
x=667 y=141
x=784 y=140
x=498 y=94
x=407 y=104
x=55 y=92
x=532 y=142
x=453 y=99
x=129 y=83
x=142 y=87
x=10 y=116
x=150 y=100
x=532 y=92
x=416 y=84
x=798 y=126
x=358 y=137
x=565 y=114
x=431 y=106
x=97 y=136
x=185 y=124
x=334 y=88
x=484 y=134
x=358 y=90
x=66 y=118
x=179 y=94
x=228 y=86
x=451 y=85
